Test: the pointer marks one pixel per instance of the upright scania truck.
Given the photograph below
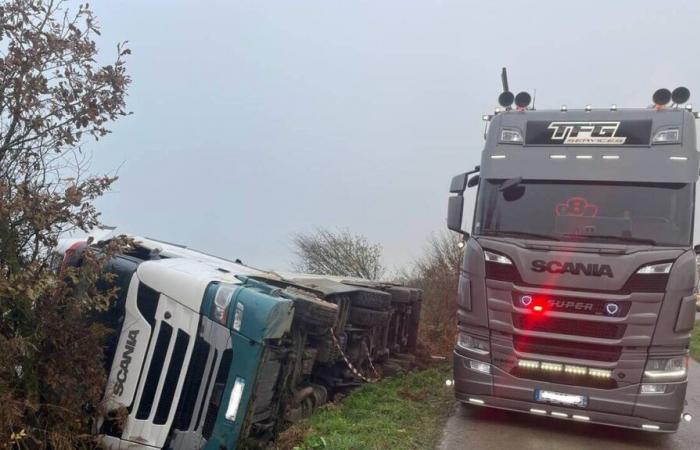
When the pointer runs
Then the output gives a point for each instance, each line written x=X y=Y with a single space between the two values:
x=576 y=294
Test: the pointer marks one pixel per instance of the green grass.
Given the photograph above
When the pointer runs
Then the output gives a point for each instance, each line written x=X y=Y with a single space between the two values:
x=695 y=342
x=406 y=412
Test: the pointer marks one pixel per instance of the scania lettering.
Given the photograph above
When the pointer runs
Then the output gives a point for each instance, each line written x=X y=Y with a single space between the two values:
x=576 y=294
x=594 y=270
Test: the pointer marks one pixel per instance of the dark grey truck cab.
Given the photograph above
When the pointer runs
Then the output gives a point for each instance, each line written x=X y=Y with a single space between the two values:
x=576 y=293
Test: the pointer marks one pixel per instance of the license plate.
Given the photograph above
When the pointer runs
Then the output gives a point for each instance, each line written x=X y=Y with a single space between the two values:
x=561 y=399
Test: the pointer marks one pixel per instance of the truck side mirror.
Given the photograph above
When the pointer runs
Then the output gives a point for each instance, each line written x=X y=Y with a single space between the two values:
x=474 y=181
x=459 y=183
x=455 y=210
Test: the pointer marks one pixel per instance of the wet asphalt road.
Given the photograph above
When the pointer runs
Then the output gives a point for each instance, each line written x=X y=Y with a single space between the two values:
x=472 y=427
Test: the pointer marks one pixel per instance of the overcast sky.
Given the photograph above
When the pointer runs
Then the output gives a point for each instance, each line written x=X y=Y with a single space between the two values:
x=253 y=121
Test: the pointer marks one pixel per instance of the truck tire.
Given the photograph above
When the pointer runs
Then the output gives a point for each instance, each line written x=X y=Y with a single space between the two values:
x=364 y=317
x=371 y=300
x=313 y=310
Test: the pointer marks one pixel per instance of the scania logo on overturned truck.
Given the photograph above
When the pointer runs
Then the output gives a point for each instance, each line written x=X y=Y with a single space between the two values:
x=558 y=267
x=125 y=362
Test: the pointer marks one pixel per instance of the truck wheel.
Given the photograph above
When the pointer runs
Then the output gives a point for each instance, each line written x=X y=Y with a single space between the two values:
x=363 y=317
x=312 y=310
x=371 y=300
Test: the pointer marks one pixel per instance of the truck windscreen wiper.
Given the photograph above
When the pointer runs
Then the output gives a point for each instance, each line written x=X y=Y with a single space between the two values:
x=612 y=237
x=523 y=234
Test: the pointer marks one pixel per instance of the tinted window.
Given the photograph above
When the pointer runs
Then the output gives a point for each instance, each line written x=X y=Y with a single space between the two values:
x=658 y=213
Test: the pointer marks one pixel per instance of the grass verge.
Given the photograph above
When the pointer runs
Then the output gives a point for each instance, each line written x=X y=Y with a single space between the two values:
x=407 y=412
x=695 y=342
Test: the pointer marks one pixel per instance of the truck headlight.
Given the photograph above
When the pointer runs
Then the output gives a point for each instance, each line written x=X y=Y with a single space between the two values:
x=655 y=269
x=472 y=344
x=235 y=400
x=496 y=258
x=222 y=300
x=668 y=368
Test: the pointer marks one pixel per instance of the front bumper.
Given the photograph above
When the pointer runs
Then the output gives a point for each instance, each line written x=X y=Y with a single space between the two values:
x=621 y=407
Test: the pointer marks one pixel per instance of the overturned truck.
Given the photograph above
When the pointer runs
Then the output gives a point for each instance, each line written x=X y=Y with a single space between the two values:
x=208 y=353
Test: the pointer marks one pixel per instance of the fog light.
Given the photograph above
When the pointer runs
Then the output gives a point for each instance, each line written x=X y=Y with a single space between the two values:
x=600 y=373
x=480 y=366
x=653 y=389
x=686 y=417
x=527 y=364
x=552 y=367
x=575 y=370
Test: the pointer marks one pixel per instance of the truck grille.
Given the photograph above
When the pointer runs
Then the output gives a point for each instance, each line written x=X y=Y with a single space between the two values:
x=565 y=349
x=575 y=305
x=169 y=379
x=569 y=326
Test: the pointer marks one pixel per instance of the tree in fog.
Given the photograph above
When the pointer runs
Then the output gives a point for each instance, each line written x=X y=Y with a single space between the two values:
x=436 y=272
x=53 y=95
x=327 y=252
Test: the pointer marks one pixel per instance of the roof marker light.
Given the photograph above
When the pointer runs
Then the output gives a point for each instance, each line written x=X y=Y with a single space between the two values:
x=486 y=117
x=588 y=108
x=611 y=156
x=584 y=157
x=678 y=158
x=498 y=156
x=564 y=108
x=557 y=156
x=689 y=107
x=613 y=107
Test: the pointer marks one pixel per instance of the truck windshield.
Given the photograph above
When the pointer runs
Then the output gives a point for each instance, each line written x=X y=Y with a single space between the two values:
x=643 y=213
